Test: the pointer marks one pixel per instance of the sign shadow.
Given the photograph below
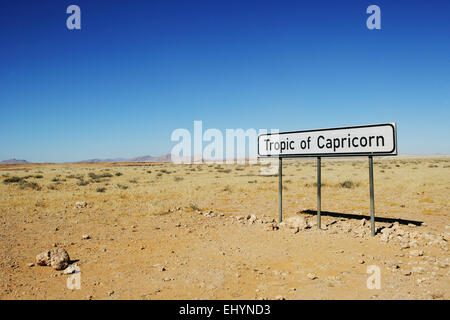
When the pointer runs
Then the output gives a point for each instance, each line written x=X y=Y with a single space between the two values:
x=359 y=217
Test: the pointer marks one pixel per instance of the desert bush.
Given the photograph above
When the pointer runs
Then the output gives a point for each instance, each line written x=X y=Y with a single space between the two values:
x=83 y=183
x=13 y=179
x=347 y=184
x=123 y=187
x=72 y=176
x=95 y=176
x=38 y=176
x=118 y=174
x=178 y=179
x=23 y=184
x=194 y=207
x=227 y=189
x=102 y=189
x=133 y=180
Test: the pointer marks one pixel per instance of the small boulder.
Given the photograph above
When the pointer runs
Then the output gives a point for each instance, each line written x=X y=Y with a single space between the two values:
x=57 y=258
x=311 y=276
x=80 y=204
x=43 y=258
x=296 y=223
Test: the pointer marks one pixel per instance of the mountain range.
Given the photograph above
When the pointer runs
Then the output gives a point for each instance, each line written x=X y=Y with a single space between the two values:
x=163 y=158
x=13 y=161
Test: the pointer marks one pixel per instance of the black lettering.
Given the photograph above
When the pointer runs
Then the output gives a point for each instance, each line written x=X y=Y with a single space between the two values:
x=363 y=141
x=318 y=142
x=382 y=140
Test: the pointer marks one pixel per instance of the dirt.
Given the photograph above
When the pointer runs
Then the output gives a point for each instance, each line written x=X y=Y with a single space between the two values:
x=155 y=239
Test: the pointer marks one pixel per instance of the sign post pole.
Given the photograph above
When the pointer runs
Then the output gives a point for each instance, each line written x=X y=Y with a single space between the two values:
x=372 y=200
x=280 y=189
x=319 y=191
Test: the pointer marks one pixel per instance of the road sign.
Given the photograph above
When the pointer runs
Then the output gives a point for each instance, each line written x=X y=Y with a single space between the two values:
x=370 y=140
x=376 y=139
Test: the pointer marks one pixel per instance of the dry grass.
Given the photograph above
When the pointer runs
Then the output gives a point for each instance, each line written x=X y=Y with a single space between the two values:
x=149 y=189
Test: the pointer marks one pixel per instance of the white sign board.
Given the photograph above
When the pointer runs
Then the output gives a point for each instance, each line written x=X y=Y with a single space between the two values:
x=377 y=139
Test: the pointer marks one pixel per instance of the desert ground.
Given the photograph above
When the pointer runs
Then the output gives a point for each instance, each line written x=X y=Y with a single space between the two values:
x=210 y=231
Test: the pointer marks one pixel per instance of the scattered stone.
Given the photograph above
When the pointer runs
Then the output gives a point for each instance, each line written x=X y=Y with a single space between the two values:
x=407 y=273
x=311 y=276
x=85 y=237
x=43 y=259
x=80 y=204
x=296 y=223
x=416 y=253
x=272 y=226
x=59 y=259
x=56 y=258
x=405 y=246
x=419 y=281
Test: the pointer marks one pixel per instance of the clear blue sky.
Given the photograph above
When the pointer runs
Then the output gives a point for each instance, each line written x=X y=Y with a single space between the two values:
x=137 y=70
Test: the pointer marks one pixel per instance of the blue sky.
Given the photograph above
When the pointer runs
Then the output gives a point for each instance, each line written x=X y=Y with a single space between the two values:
x=137 y=70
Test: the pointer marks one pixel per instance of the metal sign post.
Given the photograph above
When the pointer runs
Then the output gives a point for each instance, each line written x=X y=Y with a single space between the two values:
x=280 y=189
x=368 y=140
x=319 y=191
x=372 y=200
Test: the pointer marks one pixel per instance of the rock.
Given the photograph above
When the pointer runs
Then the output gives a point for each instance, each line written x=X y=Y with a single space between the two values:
x=311 y=276
x=43 y=258
x=419 y=281
x=407 y=273
x=346 y=227
x=85 y=237
x=404 y=246
x=295 y=223
x=80 y=204
x=31 y=264
x=280 y=297
x=416 y=253
x=272 y=226
x=252 y=218
x=59 y=259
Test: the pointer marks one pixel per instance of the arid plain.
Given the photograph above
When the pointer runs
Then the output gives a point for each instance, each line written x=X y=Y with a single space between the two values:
x=209 y=231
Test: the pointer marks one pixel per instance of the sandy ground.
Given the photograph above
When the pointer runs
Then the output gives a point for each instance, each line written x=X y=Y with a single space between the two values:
x=152 y=237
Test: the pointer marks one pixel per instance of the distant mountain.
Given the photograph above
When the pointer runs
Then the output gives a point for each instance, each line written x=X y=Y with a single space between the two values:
x=163 y=158
x=13 y=161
